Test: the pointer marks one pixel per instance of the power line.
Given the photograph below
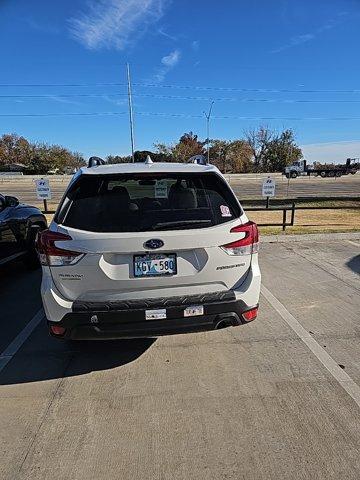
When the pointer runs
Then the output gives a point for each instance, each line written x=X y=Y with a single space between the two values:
x=182 y=87
x=235 y=89
x=176 y=115
x=62 y=84
x=176 y=97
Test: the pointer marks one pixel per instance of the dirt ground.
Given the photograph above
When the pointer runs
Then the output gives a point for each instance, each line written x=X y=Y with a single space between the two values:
x=310 y=221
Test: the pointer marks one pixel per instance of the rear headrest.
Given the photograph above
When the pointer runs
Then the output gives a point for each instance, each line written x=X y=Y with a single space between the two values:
x=183 y=198
x=120 y=192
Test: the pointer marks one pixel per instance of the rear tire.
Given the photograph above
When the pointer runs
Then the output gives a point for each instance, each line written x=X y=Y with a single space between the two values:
x=31 y=259
x=323 y=174
x=331 y=174
x=294 y=174
x=337 y=174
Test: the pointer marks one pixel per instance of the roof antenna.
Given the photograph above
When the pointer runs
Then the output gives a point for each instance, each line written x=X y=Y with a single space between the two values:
x=148 y=160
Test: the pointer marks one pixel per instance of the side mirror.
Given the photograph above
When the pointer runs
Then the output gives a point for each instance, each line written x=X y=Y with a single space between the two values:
x=11 y=201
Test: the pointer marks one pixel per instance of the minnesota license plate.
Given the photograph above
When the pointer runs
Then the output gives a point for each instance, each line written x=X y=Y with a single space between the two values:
x=153 y=265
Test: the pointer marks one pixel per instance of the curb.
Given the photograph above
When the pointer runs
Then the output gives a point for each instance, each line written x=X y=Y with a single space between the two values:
x=316 y=237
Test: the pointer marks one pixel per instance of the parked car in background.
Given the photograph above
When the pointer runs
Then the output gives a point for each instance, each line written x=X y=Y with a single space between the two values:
x=19 y=225
x=148 y=249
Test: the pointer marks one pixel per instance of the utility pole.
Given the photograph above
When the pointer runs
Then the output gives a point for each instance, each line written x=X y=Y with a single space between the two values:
x=207 y=116
x=131 y=118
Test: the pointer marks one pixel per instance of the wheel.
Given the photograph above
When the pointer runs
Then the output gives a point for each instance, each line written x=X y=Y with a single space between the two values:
x=294 y=174
x=352 y=173
x=287 y=175
x=331 y=174
x=337 y=174
x=323 y=174
x=31 y=259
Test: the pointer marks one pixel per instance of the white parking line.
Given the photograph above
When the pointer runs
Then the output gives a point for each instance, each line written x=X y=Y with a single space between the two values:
x=18 y=341
x=11 y=257
x=329 y=363
x=354 y=243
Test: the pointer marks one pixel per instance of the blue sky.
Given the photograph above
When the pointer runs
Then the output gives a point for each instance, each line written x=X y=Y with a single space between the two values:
x=279 y=63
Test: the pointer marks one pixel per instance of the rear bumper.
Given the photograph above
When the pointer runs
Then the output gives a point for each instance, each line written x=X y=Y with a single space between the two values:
x=126 y=319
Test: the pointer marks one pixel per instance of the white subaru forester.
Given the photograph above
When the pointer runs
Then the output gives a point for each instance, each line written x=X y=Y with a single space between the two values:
x=148 y=249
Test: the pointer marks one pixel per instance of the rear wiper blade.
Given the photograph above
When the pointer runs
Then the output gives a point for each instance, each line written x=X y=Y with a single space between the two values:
x=181 y=223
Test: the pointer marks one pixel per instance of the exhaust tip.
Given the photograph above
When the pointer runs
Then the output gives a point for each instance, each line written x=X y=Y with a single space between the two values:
x=223 y=324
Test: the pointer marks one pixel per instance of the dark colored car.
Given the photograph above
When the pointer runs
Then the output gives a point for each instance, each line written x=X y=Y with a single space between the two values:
x=19 y=225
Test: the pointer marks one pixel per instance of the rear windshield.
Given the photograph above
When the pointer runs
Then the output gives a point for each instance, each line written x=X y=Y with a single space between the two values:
x=145 y=202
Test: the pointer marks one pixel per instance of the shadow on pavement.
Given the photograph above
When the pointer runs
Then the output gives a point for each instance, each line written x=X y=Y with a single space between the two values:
x=354 y=264
x=19 y=299
x=54 y=359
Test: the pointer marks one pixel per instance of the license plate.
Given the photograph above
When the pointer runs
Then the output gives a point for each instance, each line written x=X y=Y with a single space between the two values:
x=194 y=311
x=154 y=265
x=158 y=314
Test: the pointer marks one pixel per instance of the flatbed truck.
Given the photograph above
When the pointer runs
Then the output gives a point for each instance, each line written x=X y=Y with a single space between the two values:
x=300 y=168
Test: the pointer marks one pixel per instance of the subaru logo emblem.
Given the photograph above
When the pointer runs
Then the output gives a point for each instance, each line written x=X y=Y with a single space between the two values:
x=154 y=243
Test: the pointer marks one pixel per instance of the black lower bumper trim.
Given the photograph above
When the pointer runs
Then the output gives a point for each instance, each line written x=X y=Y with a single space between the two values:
x=95 y=323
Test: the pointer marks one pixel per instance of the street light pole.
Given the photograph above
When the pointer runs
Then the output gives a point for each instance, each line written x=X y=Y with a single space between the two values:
x=208 y=116
x=131 y=118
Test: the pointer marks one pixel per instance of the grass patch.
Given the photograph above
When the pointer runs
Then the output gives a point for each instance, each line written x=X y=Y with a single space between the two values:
x=310 y=221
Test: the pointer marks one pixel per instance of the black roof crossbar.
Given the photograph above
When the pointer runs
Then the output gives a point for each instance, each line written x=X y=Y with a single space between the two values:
x=95 y=161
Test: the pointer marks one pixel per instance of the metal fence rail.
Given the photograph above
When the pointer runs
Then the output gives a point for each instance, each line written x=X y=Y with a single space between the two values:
x=285 y=209
x=293 y=207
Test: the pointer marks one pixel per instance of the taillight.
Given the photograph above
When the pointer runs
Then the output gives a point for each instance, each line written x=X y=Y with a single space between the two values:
x=53 y=256
x=250 y=314
x=57 y=330
x=248 y=244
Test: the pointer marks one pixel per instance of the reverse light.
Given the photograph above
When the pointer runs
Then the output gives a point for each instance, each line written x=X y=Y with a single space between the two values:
x=53 y=256
x=250 y=314
x=248 y=244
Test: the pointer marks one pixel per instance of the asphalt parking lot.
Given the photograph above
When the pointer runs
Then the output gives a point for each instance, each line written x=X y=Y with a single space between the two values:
x=276 y=399
x=245 y=186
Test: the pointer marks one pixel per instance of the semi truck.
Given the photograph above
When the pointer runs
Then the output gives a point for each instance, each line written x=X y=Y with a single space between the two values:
x=301 y=168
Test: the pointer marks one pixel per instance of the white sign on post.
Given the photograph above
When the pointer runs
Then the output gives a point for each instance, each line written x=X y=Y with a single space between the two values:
x=161 y=189
x=268 y=187
x=43 y=190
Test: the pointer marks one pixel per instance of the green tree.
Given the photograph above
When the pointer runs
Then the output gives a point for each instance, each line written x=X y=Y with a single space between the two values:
x=282 y=150
x=271 y=151
x=164 y=152
x=53 y=157
x=14 y=149
x=111 y=159
x=231 y=156
x=187 y=146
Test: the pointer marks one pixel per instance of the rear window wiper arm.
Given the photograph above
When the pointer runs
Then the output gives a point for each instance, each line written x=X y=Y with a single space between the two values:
x=181 y=223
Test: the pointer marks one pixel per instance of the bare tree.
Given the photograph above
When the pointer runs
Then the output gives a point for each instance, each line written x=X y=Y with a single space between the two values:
x=258 y=141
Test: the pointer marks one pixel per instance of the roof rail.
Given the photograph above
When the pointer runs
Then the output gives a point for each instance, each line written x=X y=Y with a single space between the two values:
x=95 y=161
x=198 y=160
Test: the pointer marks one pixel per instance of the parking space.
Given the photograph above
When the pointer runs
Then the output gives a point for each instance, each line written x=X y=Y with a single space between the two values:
x=252 y=402
x=19 y=299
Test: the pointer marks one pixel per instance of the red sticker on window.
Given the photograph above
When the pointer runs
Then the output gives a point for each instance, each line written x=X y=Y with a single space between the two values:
x=225 y=211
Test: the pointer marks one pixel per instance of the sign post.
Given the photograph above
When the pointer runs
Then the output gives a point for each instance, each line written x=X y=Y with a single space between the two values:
x=43 y=191
x=268 y=189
